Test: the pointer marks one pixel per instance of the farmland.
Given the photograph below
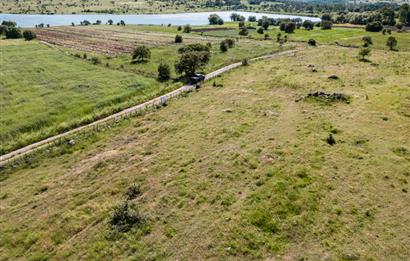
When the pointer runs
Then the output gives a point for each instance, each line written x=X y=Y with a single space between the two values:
x=239 y=170
x=53 y=87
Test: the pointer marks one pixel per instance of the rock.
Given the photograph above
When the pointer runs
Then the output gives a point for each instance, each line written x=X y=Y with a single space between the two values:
x=71 y=142
x=333 y=77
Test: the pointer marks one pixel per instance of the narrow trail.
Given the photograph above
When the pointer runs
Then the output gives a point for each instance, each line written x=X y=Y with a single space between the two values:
x=6 y=158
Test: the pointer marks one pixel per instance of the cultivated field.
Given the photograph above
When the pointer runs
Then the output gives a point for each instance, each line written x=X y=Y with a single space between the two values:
x=239 y=170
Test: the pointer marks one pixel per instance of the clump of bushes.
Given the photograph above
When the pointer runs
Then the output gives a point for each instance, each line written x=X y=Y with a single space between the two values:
x=95 y=60
x=125 y=216
x=29 y=35
x=329 y=97
x=178 y=38
x=367 y=41
x=374 y=27
x=141 y=54
x=312 y=42
x=164 y=72
x=223 y=46
x=187 y=29
x=363 y=54
x=288 y=27
x=132 y=192
x=326 y=24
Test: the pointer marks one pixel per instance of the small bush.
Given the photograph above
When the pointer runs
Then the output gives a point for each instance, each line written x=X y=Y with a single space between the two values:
x=243 y=31
x=245 y=62
x=391 y=43
x=374 y=27
x=13 y=33
x=363 y=53
x=223 y=46
x=178 y=38
x=179 y=28
x=330 y=140
x=312 y=42
x=326 y=24
x=132 y=192
x=164 y=72
x=367 y=41
x=260 y=30
x=230 y=43
x=187 y=29
x=95 y=60
x=125 y=216
x=141 y=53
x=29 y=35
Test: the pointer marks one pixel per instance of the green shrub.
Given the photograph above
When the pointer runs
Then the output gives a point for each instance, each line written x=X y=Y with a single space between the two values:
x=125 y=216
x=187 y=29
x=374 y=27
x=326 y=24
x=178 y=38
x=164 y=72
x=141 y=53
x=29 y=35
x=223 y=46
x=13 y=33
x=132 y=192
x=312 y=42
x=260 y=30
x=391 y=43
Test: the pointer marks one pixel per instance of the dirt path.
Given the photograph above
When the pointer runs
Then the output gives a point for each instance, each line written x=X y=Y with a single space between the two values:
x=4 y=159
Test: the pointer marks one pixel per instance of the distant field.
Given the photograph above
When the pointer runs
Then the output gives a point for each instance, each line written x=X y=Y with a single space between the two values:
x=44 y=92
x=239 y=170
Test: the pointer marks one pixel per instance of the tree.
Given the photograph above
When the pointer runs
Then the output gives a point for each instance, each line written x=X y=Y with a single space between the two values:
x=252 y=18
x=312 y=42
x=367 y=40
x=290 y=27
x=374 y=26
x=404 y=14
x=13 y=33
x=9 y=23
x=187 y=29
x=326 y=24
x=278 y=37
x=215 y=19
x=234 y=17
x=191 y=61
x=391 y=43
x=260 y=30
x=179 y=28
x=230 y=42
x=110 y=21
x=223 y=46
x=29 y=35
x=141 y=53
x=3 y=29
x=308 y=25
x=326 y=17
x=178 y=38
x=243 y=31
x=122 y=23
x=164 y=72
x=363 y=53
x=265 y=24
x=388 y=16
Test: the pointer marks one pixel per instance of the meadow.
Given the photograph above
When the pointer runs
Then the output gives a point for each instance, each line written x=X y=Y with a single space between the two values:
x=50 y=88
x=239 y=170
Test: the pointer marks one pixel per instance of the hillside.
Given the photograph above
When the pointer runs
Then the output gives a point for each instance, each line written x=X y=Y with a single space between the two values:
x=239 y=170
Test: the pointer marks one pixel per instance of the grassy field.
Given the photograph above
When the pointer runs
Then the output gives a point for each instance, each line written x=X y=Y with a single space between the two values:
x=48 y=90
x=44 y=92
x=239 y=170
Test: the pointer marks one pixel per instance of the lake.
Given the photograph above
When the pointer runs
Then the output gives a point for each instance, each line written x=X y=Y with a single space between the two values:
x=201 y=18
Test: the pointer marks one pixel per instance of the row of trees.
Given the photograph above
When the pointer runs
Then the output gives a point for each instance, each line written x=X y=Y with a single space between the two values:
x=11 y=31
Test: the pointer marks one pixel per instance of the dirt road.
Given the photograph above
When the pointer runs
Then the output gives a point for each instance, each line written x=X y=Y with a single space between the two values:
x=127 y=112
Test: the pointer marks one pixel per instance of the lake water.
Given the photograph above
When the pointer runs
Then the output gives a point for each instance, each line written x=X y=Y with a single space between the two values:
x=26 y=20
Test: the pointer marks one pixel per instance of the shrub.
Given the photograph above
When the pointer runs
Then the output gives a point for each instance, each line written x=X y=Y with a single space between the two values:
x=132 y=192
x=178 y=38
x=13 y=33
x=260 y=30
x=223 y=46
x=243 y=31
x=3 y=29
x=110 y=21
x=192 y=57
x=179 y=28
x=399 y=26
x=326 y=24
x=164 y=72
x=308 y=25
x=391 y=43
x=363 y=53
x=312 y=42
x=245 y=62
x=367 y=40
x=125 y=216
x=187 y=29
x=374 y=26
x=9 y=23
x=29 y=35
x=278 y=37
x=141 y=53
x=230 y=42
x=252 y=18
x=215 y=19
x=330 y=140
x=95 y=60
x=288 y=27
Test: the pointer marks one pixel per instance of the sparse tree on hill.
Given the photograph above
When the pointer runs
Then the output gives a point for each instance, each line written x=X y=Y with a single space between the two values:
x=29 y=35
x=178 y=38
x=223 y=46
x=367 y=41
x=363 y=53
x=141 y=54
x=13 y=33
x=110 y=21
x=192 y=57
x=308 y=25
x=391 y=43
x=164 y=72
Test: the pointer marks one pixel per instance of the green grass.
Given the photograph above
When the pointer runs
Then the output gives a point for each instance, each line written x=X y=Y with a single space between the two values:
x=45 y=92
x=241 y=171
